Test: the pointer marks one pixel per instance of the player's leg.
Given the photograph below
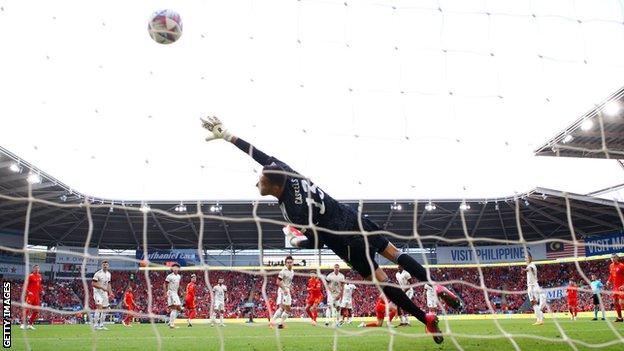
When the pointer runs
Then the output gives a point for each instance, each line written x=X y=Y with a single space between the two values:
x=280 y=310
x=126 y=320
x=173 y=315
x=285 y=314
x=361 y=261
x=602 y=308
x=313 y=312
x=213 y=314
x=336 y=311
x=34 y=313
x=393 y=254
x=191 y=315
x=399 y=298
x=103 y=314
x=329 y=309
x=392 y=313
x=173 y=302
x=308 y=308
x=222 y=316
x=380 y=312
x=618 y=299
x=540 y=304
x=96 y=316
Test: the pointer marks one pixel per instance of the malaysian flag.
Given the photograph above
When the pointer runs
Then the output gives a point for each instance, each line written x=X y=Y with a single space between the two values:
x=557 y=249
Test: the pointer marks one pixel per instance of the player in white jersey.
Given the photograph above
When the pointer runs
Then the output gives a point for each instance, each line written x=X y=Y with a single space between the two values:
x=432 y=298
x=335 y=284
x=171 y=286
x=403 y=278
x=536 y=296
x=284 y=296
x=346 y=303
x=101 y=291
x=220 y=298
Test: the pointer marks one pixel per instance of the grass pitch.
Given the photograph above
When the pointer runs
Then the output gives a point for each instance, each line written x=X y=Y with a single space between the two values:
x=300 y=336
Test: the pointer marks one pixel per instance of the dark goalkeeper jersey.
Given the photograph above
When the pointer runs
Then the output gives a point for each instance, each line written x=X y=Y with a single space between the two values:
x=301 y=195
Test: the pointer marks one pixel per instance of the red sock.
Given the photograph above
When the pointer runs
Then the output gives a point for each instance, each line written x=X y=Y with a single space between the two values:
x=192 y=314
x=33 y=317
x=618 y=309
x=371 y=324
x=314 y=315
x=127 y=319
x=393 y=314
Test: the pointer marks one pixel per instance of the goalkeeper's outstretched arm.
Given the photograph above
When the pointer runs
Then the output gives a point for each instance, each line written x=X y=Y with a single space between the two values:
x=250 y=150
x=214 y=125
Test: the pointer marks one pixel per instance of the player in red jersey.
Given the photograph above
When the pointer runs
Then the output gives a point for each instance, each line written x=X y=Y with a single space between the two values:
x=616 y=278
x=380 y=311
x=130 y=306
x=33 y=297
x=315 y=296
x=572 y=299
x=189 y=300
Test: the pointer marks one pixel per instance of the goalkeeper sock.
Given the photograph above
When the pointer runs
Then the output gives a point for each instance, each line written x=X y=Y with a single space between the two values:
x=595 y=312
x=399 y=298
x=412 y=266
x=277 y=314
x=221 y=318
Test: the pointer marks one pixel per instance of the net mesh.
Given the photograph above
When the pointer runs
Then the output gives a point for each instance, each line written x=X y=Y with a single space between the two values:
x=267 y=276
x=541 y=19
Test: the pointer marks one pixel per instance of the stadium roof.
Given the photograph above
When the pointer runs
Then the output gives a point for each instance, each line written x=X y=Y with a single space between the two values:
x=602 y=137
x=542 y=215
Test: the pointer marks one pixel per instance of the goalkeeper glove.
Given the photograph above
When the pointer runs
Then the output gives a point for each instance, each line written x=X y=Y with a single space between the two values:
x=293 y=235
x=214 y=125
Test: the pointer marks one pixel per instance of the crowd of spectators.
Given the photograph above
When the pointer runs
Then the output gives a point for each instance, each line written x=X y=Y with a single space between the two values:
x=505 y=288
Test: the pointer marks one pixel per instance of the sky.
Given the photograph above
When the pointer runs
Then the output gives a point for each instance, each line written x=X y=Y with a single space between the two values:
x=370 y=99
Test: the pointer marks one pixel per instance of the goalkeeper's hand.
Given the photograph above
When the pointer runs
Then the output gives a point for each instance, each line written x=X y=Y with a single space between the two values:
x=294 y=236
x=216 y=129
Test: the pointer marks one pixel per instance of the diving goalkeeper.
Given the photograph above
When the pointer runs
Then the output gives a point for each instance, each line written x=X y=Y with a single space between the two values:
x=304 y=204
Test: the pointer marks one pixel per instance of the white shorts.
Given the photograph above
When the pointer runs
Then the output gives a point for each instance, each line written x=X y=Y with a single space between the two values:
x=410 y=293
x=332 y=300
x=219 y=306
x=432 y=301
x=100 y=297
x=283 y=299
x=346 y=304
x=173 y=299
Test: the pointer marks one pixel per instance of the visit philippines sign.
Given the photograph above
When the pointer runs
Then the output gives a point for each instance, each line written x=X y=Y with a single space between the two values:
x=604 y=244
x=488 y=254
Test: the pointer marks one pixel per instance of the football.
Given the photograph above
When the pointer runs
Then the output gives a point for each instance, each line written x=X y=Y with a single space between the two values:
x=165 y=26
